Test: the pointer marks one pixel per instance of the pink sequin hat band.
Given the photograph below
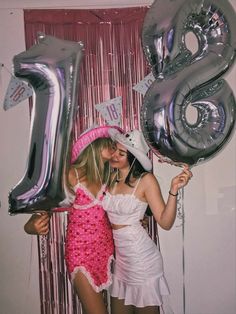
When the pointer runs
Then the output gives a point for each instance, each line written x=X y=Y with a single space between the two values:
x=88 y=137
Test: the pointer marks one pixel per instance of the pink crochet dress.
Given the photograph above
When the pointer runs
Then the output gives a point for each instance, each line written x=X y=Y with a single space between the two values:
x=89 y=244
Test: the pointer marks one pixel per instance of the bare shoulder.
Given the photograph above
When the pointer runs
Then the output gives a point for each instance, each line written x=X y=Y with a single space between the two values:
x=149 y=188
x=149 y=183
x=148 y=178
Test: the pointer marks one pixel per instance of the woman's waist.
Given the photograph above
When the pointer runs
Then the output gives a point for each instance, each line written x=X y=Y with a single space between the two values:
x=116 y=227
x=124 y=218
x=120 y=226
x=117 y=221
x=129 y=234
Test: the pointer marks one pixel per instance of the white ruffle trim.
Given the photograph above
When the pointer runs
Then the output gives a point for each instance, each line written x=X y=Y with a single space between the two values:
x=105 y=285
x=148 y=294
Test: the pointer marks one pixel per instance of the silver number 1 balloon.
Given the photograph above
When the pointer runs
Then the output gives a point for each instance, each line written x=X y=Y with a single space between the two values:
x=186 y=79
x=51 y=68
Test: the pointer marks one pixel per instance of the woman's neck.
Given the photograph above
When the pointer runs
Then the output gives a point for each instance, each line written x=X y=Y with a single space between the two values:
x=122 y=174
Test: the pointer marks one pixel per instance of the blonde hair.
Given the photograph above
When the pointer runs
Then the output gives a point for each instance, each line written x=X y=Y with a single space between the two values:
x=90 y=162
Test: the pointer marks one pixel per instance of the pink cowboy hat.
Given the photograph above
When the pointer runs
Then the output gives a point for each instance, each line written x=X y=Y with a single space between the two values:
x=88 y=137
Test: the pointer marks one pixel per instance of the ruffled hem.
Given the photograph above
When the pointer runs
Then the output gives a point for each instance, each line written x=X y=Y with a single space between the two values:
x=104 y=285
x=148 y=294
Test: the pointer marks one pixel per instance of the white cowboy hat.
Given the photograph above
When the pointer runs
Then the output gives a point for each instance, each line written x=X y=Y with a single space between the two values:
x=135 y=143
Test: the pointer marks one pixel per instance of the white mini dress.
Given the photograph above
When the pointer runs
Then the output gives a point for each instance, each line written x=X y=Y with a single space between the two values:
x=138 y=275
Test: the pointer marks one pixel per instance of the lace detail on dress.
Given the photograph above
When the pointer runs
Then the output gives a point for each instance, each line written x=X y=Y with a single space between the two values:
x=85 y=199
x=88 y=193
x=104 y=285
x=89 y=244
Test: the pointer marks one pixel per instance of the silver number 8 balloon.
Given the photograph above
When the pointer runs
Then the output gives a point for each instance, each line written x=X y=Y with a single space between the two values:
x=186 y=79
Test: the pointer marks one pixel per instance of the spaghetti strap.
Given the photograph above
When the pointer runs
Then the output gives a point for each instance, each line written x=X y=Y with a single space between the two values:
x=136 y=185
x=138 y=182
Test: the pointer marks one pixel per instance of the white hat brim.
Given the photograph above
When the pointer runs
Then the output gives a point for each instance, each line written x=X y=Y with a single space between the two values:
x=139 y=155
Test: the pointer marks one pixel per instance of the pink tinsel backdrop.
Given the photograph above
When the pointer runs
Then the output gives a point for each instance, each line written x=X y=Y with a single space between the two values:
x=113 y=64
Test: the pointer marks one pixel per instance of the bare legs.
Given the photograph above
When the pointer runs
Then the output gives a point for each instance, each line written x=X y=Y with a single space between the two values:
x=118 y=307
x=147 y=310
x=92 y=301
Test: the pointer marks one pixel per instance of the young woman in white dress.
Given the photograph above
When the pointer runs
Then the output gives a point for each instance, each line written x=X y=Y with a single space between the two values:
x=138 y=282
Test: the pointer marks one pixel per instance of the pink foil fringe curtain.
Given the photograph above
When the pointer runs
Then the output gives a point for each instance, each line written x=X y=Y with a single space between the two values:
x=113 y=63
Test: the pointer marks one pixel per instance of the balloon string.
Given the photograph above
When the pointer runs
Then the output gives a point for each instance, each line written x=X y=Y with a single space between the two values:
x=183 y=250
x=7 y=70
x=181 y=216
x=43 y=246
x=29 y=273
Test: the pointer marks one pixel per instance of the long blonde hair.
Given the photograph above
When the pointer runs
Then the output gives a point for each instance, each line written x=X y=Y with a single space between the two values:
x=90 y=163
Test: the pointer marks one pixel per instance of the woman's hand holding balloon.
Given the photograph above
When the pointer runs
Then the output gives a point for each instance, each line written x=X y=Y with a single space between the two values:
x=180 y=180
x=38 y=224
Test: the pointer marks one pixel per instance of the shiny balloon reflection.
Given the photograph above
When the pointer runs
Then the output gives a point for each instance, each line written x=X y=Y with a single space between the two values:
x=51 y=67
x=189 y=78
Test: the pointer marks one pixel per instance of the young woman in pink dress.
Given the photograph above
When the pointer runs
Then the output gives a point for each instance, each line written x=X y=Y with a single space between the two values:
x=89 y=243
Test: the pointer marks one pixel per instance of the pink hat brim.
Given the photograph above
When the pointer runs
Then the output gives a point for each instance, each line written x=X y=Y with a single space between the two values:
x=88 y=137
